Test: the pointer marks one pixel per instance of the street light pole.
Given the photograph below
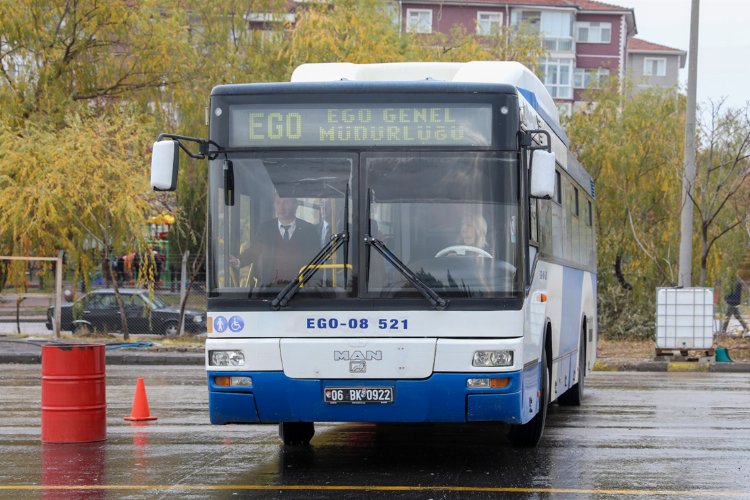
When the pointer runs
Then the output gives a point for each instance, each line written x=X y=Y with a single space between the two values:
x=686 y=221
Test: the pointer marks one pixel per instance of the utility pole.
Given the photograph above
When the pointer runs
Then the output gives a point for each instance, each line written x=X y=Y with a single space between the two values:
x=688 y=179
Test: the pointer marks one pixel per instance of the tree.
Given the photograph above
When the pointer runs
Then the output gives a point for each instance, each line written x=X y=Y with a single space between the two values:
x=720 y=193
x=81 y=188
x=79 y=83
x=57 y=53
x=632 y=147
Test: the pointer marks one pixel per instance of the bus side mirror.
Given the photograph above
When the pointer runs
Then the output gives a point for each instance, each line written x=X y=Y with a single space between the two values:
x=542 y=174
x=165 y=158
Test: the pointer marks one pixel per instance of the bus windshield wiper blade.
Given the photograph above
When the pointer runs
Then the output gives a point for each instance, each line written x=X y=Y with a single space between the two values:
x=309 y=269
x=431 y=295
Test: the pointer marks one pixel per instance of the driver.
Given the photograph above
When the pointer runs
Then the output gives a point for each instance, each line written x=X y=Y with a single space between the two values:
x=281 y=246
x=473 y=233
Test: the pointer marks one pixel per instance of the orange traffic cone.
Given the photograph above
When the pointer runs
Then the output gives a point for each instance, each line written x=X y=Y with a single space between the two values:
x=140 y=411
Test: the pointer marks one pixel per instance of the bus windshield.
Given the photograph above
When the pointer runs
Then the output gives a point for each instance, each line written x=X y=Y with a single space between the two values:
x=451 y=218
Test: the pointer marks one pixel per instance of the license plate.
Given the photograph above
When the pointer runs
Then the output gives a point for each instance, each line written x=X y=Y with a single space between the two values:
x=358 y=395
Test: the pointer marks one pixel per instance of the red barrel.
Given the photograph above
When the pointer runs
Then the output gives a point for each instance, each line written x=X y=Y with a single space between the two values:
x=74 y=403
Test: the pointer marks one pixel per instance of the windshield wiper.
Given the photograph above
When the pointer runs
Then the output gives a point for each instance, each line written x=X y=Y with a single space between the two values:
x=325 y=253
x=431 y=295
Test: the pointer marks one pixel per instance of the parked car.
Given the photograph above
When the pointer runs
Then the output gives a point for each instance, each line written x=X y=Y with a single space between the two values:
x=146 y=313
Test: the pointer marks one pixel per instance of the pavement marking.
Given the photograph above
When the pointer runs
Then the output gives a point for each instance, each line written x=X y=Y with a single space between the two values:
x=685 y=366
x=271 y=487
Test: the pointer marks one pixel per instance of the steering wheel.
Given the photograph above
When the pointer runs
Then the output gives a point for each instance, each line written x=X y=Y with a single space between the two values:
x=462 y=249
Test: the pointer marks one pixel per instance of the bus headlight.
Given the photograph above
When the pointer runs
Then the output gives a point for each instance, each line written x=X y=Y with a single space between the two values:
x=487 y=359
x=226 y=358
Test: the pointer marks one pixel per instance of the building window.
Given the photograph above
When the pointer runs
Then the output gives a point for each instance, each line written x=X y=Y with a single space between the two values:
x=655 y=66
x=557 y=44
x=557 y=75
x=594 y=32
x=593 y=78
x=419 y=21
x=530 y=19
x=558 y=188
x=489 y=23
x=556 y=27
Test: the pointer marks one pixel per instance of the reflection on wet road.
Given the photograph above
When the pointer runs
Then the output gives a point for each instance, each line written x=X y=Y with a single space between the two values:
x=639 y=435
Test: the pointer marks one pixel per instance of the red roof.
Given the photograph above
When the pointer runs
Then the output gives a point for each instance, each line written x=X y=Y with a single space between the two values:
x=578 y=4
x=593 y=5
x=638 y=45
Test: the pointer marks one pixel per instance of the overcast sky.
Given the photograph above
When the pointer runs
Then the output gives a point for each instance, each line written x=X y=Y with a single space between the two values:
x=723 y=42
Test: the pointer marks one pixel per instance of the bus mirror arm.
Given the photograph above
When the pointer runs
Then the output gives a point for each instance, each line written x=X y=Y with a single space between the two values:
x=203 y=146
x=165 y=159
x=526 y=140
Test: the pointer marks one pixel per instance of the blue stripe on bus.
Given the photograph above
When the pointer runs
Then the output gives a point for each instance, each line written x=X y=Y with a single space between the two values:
x=443 y=397
x=532 y=100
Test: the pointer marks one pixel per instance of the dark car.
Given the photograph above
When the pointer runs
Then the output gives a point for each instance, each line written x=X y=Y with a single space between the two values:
x=146 y=313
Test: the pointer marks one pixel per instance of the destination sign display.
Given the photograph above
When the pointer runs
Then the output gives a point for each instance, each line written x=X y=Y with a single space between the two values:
x=316 y=125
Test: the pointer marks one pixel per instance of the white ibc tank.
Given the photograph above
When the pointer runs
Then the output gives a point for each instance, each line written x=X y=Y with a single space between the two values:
x=684 y=318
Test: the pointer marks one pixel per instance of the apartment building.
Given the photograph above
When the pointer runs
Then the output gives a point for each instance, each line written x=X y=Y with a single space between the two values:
x=652 y=65
x=587 y=41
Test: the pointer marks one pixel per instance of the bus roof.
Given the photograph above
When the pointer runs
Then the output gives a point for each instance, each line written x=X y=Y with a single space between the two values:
x=502 y=72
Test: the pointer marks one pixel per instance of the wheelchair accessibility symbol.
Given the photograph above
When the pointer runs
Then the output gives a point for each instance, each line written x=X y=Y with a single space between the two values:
x=236 y=324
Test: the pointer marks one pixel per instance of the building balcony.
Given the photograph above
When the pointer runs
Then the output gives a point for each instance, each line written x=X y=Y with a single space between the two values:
x=559 y=44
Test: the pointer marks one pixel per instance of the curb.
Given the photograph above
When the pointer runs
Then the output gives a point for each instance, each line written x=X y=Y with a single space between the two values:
x=117 y=359
x=672 y=366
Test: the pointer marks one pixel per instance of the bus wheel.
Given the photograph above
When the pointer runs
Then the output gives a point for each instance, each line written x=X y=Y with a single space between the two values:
x=530 y=433
x=296 y=433
x=574 y=395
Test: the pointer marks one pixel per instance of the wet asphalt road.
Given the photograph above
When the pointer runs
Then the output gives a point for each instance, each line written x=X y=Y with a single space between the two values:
x=639 y=435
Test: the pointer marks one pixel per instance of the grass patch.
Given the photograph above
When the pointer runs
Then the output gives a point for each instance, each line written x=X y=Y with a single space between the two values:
x=186 y=341
x=641 y=350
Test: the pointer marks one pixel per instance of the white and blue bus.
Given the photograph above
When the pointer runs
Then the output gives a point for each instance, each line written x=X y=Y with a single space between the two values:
x=407 y=242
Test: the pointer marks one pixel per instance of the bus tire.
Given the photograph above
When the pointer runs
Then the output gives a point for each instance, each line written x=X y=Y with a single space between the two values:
x=530 y=433
x=296 y=433
x=574 y=395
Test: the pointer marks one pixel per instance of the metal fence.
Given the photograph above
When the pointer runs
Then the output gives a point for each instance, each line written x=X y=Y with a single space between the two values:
x=25 y=310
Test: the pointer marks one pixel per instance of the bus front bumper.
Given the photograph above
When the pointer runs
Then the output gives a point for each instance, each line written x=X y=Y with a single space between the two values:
x=443 y=397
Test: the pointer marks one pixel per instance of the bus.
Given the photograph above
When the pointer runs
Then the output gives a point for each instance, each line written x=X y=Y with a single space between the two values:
x=401 y=242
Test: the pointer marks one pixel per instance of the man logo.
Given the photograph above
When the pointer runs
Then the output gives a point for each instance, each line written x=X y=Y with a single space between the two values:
x=357 y=356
